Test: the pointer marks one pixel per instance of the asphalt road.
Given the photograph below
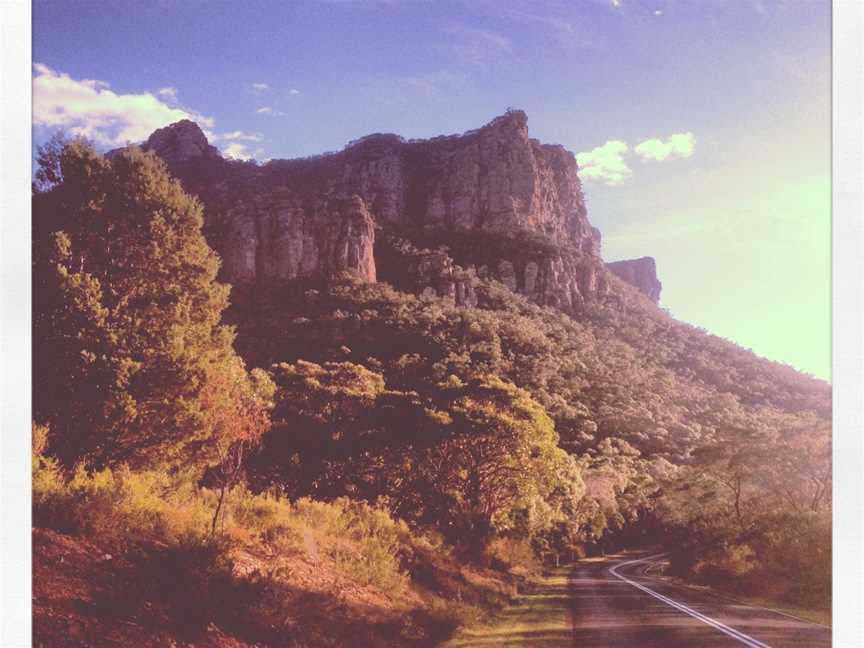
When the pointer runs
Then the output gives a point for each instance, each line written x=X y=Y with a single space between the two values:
x=616 y=602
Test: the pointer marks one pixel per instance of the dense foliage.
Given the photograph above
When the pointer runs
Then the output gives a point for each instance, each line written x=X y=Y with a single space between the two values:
x=472 y=457
x=654 y=410
x=131 y=362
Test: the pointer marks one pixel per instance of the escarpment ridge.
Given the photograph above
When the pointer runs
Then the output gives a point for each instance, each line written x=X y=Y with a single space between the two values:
x=427 y=215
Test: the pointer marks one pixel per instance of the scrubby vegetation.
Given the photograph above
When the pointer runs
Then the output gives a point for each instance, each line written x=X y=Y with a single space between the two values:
x=124 y=509
x=243 y=578
x=676 y=433
x=418 y=455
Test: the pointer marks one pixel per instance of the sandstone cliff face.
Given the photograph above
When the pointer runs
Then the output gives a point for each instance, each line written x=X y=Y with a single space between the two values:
x=274 y=238
x=318 y=216
x=641 y=273
x=560 y=280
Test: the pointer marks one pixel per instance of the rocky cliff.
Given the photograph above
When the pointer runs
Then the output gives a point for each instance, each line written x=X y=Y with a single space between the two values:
x=641 y=273
x=513 y=206
x=180 y=142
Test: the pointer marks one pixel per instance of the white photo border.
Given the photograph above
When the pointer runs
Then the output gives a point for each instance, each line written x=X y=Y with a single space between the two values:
x=15 y=342
x=848 y=322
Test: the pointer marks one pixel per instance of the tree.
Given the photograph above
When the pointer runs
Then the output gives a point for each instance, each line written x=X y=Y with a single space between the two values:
x=475 y=458
x=239 y=404
x=127 y=335
x=500 y=461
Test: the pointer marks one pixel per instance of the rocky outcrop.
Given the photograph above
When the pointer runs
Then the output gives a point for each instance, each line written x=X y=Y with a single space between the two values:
x=641 y=273
x=180 y=142
x=446 y=262
x=437 y=276
x=273 y=238
x=317 y=216
x=564 y=281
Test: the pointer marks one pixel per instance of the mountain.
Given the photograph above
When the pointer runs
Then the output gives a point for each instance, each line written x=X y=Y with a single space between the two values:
x=453 y=221
x=317 y=216
x=450 y=383
x=445 y=220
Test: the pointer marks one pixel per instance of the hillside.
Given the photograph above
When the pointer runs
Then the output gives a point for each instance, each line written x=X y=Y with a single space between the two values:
x=446 y=362
x=453 y=220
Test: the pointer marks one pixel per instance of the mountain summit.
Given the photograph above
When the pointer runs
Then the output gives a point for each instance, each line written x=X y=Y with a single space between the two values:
x=180 y=142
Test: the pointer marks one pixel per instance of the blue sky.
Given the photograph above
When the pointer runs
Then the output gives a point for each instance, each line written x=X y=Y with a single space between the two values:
x=703 y=128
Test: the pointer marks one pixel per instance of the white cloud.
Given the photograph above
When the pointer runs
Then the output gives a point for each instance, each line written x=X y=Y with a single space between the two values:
x=169 y=94
x=237 y=150
x=234 y=144
x=293 y=92
x=260 y=87
x=605 y=163
x=237 y=135
x=268 y=110
x=678 y=145
x=89 y=108
x=658 y=12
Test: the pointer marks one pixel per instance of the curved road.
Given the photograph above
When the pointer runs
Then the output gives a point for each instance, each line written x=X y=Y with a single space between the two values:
x=612 y=602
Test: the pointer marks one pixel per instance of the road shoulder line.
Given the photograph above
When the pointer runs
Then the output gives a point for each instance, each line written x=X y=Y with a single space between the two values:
x=732 y=632
x=677 y=582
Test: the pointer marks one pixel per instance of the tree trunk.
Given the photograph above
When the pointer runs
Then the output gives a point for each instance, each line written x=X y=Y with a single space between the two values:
x=218 y=508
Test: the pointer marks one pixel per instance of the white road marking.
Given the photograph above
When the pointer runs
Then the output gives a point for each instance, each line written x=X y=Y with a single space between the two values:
x=722 y=627
x=753 y=606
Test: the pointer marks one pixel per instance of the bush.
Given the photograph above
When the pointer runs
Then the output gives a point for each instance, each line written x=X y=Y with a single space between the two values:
x=786 y=557
x=118 y=508
x=50 y=499
x=514 y=554
x=264 y=518
x=39 y=439
x=732 y=562
x=364 y=541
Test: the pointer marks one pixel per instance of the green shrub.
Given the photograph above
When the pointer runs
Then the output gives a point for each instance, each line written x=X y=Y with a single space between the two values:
x=50 y=498
x=511 y=554
x=262 y=517
x=118 y=508
x=39 y=439
x=363 y=540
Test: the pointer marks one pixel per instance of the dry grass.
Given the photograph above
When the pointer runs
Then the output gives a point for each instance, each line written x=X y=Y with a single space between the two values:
x=538 y=618
x=321 y=572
